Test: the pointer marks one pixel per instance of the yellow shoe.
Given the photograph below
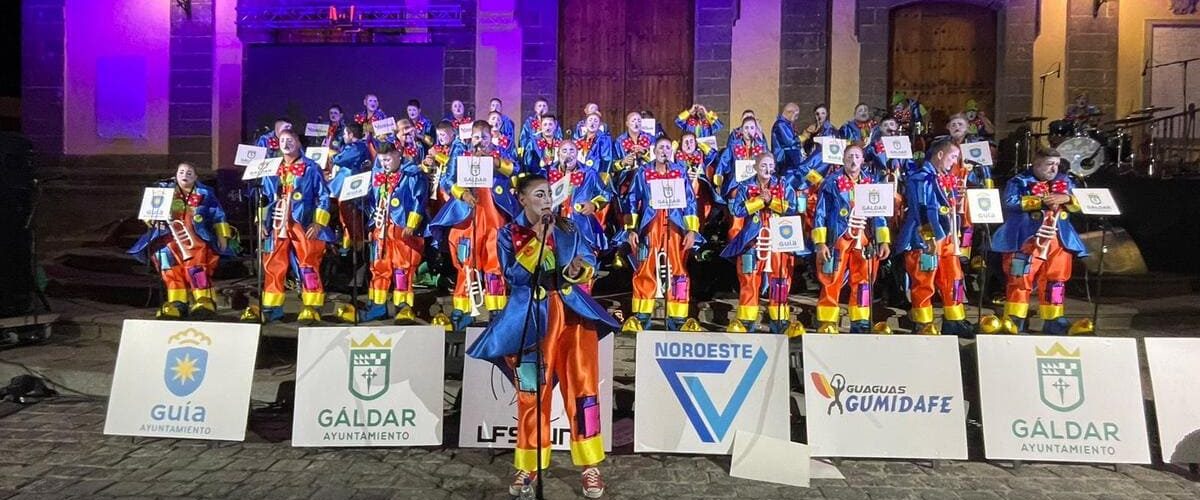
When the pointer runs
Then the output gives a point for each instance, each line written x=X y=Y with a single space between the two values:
x=991 y=325
x=881 y=328
x=440 y=319
x=203 y=308
x=735 y=326
x=250 y=315
x=308 y=315
x=926 y=329
x=1082 y=327
x=405 y=316
x=171 y=310
x=691 y=325
x=795 y=329
x=631 y=325
x=346 y=313
x=1009 y=326
x=827 y=328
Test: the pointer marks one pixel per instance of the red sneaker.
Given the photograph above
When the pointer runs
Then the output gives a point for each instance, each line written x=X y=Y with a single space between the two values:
x=593 y=486
x=522 y=480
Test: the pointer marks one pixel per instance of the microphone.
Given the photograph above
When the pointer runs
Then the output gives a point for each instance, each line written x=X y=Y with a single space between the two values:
x=1057 y=71
x=547 y=219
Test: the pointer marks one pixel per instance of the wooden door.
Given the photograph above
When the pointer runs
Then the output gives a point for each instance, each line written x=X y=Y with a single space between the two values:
x=945 y=54
x=625 y=55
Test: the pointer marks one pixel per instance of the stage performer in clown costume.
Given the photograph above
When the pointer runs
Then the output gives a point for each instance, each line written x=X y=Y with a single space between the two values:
x=820 y=127
x=423 y=125
x=468 y=224
x=294 y=224
x=585 y=198
x=858 y=129
x=699 y=120
x=660 y=241
x=928 y=237
x=529 y=127
x=759 y=202
x=185 y=249
x=352 y=159
x=541 y=150
x=270 y=140
x=549 y=333
x=1039 y=244
x=506 y=143
x=397 y=200
x=367 y=117
x=785 y=144
x=630 y=151
x=699 y=160
x=846 y=243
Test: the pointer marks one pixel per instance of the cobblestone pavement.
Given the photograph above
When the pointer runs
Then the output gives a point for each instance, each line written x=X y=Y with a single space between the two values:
x=55 y=449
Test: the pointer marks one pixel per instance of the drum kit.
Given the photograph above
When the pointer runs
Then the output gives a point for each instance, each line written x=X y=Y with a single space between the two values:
x=1087 y=148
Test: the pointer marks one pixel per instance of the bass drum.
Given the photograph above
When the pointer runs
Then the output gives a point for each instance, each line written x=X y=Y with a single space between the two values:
x=1084 y=155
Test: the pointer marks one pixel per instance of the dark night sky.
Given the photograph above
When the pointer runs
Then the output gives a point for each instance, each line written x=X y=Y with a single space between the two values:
x=10 y=44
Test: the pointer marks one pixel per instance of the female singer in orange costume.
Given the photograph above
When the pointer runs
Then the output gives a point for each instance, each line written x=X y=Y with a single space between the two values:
x=552 y=324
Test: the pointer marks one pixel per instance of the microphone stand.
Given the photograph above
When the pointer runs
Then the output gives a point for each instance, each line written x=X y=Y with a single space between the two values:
x=1104 y=228
x=539 y=328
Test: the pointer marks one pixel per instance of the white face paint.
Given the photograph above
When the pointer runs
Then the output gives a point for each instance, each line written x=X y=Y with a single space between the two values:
x=185 y=176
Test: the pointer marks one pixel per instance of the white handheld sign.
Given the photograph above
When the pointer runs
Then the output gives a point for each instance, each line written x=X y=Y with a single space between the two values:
x=667 y=193
x=984 y=206
x=247 y=154
x=355 y=186
x=384 y=126
x=475 y=171
x=898 y=147
x=156 y=204
x=833 y=151
x=320 y=155
x=262 y=168
x=743 y=170
x=316 y=129
x=649 y=126
x=874 y=200
x=560 y=190
x=1097 y=201
x=787 y=234
x=977 y=152
x=464 y=132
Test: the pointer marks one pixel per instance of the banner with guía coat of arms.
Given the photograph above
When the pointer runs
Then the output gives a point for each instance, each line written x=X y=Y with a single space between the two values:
x=1062 y=399
x=369 y=386
x=182 y=380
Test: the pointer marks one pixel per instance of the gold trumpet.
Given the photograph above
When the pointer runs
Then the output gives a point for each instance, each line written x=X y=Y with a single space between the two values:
x=279 y=218
x=183 y=238
x=380 y=218
x=474 y=289
x=663 y=270
x=437 y=181
x=763 y=247
x=1046 y=233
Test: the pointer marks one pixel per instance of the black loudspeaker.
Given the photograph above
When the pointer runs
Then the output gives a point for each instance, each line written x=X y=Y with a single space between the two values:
x=17 y=195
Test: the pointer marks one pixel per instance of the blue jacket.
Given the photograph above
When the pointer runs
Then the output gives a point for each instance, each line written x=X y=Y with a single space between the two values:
x=599 y=155
x=208 y=222
x=529 y=132
x=310 y=199
x=832 y=216
x=405 y=200
x=785 y=145
x=1023 y=214
x=518 y=258
x=725 y=177
x=749 y=207
x=702 y=126
x=586 y=186
x=264 y=141
x=639 y=214
x=851 y=132
x=455 y=210
x=619 y=175
x=927 y=206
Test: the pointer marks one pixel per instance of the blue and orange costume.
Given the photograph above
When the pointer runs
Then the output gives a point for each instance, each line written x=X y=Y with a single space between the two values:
x=620 y=177
x=471 y=232
x=595 y=151
x=1025 y=264
x=397 y=200
x=786 y=145
x=849 y=250
x=531 y=130
x=269 y=141
x=585 y=188
x=703 y=125
x=931 y=258
x=200 y=213
x=858 y=131
x=660 y=231
x=424 y=129
x=539 y=154
x=743 y=250
x=738 y=148
x=566 y=325
x=354 y=158
x=366 y=118
x=301 y=185
x=701 y=161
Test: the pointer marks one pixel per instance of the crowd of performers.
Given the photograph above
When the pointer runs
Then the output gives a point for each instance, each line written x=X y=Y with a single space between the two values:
x=532 y=262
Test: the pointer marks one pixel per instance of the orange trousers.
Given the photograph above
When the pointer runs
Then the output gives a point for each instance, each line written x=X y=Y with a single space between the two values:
x=570 y=357
x=394 y=263
x=751 y=271
x=661 y=236
x=1025 y=269
x=862 y=270
x=353 y=225
x=275 y=267
x=473 y=247
x=940 y=269
x=195 y=273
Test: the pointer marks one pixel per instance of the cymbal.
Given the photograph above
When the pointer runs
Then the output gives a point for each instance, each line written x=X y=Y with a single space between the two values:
x=1130 y=120
x=1151 y=109
x=1027 y=119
